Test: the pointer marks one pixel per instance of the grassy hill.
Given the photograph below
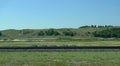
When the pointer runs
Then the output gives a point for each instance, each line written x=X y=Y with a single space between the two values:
x=82 y=32
x=33 y=33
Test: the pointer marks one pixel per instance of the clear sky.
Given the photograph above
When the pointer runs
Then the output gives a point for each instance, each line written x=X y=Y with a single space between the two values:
x=39 y=14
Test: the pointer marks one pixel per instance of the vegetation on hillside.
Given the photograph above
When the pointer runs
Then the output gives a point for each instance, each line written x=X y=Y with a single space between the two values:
x=106 y=31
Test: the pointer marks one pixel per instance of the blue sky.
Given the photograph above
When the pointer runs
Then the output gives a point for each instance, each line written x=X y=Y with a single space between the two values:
x=40 y=14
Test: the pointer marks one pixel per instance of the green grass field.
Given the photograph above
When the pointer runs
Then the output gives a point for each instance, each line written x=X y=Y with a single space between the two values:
x=59 y=58
x=78 y=43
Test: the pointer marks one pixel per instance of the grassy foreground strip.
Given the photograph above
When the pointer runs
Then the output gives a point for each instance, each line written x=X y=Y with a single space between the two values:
x=77 y=43
x=59 y=58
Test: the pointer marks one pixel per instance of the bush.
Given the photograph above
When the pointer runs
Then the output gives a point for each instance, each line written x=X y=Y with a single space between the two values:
x=69 y=33
x=41 y=33
x=52 y=32
x=0 y=33
x=108 y=33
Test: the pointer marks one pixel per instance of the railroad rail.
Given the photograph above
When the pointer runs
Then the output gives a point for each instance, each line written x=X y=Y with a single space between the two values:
x=62 y=49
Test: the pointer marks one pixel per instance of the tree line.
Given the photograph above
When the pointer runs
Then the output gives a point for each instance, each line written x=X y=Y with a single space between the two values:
x=95 y=26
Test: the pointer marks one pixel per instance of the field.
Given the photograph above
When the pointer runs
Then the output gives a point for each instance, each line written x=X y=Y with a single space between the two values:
x=78 y=43
x=59 y=59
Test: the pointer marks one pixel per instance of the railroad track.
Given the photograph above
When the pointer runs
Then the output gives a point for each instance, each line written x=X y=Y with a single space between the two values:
x=62 y=49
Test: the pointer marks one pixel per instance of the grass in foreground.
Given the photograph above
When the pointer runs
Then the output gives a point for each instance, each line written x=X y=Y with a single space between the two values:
x=59 y=58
